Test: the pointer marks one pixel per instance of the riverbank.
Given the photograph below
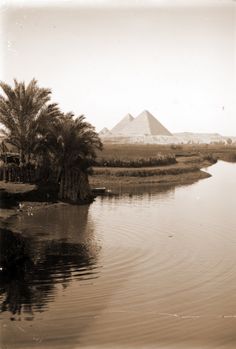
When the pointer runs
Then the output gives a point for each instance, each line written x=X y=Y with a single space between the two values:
x=189 y=168
x=18 y=198
x=186 y=171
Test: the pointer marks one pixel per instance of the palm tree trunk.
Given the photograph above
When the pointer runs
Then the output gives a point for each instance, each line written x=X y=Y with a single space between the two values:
x=22 y=157
x=74 y=187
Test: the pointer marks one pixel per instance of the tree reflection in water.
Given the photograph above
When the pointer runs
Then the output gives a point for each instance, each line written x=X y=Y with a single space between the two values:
x=32 y=267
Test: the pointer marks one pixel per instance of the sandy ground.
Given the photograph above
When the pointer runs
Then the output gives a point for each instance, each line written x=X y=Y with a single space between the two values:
x=16 y=187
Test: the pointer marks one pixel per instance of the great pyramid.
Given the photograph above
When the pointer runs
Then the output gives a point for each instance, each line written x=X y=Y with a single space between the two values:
x=127 y=119
x=145 y=124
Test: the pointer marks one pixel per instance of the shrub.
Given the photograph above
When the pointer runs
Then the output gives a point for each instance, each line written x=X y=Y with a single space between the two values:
x=158 y=160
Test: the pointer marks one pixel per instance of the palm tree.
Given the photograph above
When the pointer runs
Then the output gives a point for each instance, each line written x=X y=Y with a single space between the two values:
x=25 y=114
x=72 y=143
x=58 y=142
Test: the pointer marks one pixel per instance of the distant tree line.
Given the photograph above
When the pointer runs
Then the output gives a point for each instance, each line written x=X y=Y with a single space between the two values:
x=62 y=146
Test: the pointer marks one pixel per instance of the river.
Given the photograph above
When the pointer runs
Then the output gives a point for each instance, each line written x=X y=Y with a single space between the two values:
x=142 y=270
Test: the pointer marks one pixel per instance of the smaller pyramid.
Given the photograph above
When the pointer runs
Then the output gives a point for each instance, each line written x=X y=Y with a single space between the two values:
x=117 y=129
x=104 y=132
x=145 y=124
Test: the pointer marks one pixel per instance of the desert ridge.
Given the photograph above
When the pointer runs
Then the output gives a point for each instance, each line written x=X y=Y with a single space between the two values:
x=146 y=129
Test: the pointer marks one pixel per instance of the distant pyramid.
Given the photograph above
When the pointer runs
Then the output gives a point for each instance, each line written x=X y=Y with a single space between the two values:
x=127 y=119
x=104 y=132
x=145 y=124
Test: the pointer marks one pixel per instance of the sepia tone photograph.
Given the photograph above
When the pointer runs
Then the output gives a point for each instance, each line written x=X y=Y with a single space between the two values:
x=117 y=174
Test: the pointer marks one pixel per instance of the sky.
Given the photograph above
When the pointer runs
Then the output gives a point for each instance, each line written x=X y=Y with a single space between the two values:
x=107 y=58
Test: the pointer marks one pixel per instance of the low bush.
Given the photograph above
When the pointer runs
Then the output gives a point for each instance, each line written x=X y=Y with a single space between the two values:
x=158 y=160
x=145 y=172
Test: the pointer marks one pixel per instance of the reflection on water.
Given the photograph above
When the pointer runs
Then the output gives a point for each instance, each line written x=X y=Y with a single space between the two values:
x=144 y=193
x=32 y=265
x=146 y=189
x=139 y=270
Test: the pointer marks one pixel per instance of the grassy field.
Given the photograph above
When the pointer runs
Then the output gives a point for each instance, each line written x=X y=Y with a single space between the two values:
x=180 y=163
x=130 y=152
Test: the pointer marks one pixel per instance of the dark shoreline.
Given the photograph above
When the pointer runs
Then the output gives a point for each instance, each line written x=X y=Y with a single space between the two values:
x=191 y=162
x=20 y=198
x=11 y=194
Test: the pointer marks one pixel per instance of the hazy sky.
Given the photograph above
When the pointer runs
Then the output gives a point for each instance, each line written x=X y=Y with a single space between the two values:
x=107 y=58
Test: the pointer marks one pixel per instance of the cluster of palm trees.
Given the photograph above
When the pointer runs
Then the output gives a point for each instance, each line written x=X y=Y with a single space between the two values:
x=45 y=137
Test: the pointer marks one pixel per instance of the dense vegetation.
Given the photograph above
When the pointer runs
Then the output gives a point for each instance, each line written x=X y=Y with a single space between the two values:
x=158 y=160
x=62 y=146
x=145 y=171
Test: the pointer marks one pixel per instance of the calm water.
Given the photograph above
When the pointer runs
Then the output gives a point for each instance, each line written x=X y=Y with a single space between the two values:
x=156 y=270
